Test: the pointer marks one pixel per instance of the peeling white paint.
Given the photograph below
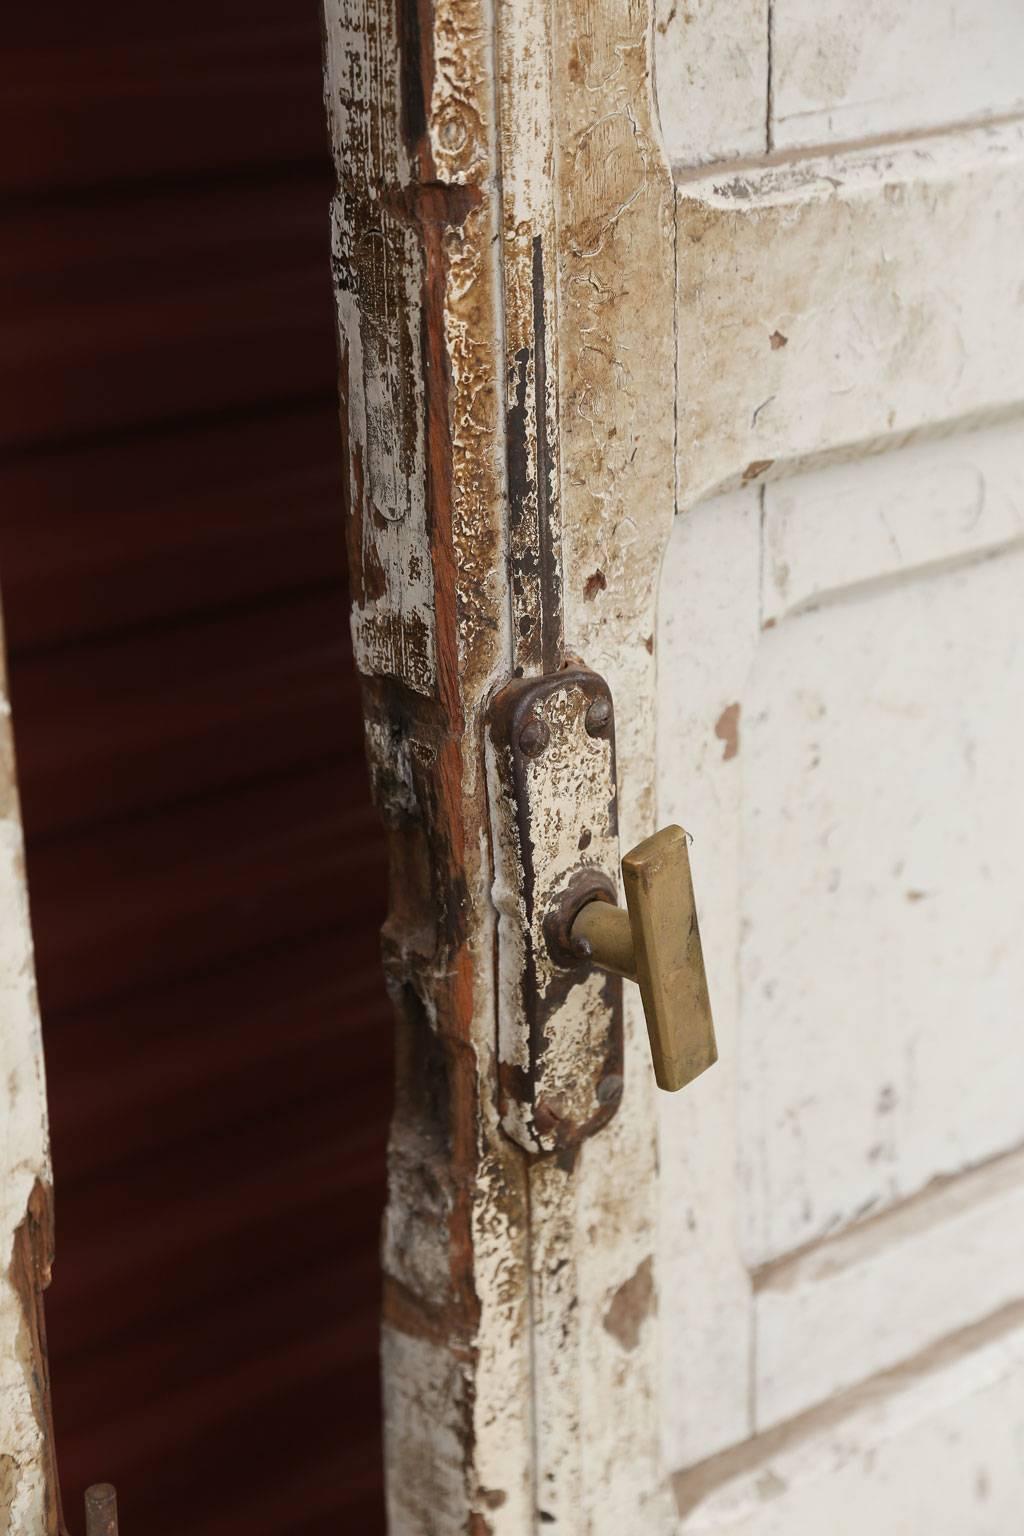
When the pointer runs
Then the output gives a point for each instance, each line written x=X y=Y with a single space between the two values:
x=24 y=1163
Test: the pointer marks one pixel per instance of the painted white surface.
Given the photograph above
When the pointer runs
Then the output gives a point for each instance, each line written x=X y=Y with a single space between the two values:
x=24 y=1160
x=836 y=533
x=881 y=968
x=826 y=306
x=935 y=1450
x=891 y=66
x=708 y=634
x=858 y=831
x=711 y=58
x=838 y=73
x=841 y=660
x=900 y=1284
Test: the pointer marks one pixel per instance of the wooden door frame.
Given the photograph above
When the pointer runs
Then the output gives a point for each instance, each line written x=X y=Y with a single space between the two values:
x=30 y=1495
x=503 y=260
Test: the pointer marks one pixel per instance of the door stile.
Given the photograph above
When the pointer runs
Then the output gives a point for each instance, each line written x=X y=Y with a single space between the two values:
x=589 y=209
x=410 y=97
x=503 y=268
x=613 y=196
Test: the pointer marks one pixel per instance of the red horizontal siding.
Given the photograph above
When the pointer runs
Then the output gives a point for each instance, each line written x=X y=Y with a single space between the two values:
x=133 y=530
x=124 y=91
x=163 y=305
x=205 y=870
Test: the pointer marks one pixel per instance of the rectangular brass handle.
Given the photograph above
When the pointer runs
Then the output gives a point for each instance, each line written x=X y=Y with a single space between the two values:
x=656 y=943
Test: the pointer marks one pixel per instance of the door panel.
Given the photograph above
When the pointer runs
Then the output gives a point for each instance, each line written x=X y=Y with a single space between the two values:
x=712 y=71
x=841 y=653
x=832 y=304
x=738 y=77
x=935 y=1447
x=837 y=646
x=856 y=834
x=842 y=72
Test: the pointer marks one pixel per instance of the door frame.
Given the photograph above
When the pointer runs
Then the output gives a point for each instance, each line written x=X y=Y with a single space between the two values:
x=504 y=270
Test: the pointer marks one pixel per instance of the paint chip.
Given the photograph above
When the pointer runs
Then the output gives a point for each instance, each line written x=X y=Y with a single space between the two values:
x=631 y=1305
x=756 y=468
x=727 y=729
x=593 y=585
x=778 y=340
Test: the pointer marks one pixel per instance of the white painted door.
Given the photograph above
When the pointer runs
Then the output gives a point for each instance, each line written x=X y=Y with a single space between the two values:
x=840 y=1257
x=690 y=343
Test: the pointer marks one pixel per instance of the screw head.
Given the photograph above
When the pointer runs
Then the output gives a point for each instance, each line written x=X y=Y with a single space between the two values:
x=534 y=737
x=599 y=716
x=609 y=1089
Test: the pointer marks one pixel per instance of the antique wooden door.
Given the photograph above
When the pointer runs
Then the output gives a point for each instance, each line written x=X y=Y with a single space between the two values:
x=681 y=358
x=687 y=349
x=681 y=364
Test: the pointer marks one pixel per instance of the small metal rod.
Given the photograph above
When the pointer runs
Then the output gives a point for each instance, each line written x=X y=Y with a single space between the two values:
x=101 y=1510
x=602 y=933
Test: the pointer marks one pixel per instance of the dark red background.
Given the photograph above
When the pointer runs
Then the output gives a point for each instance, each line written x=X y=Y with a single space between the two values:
x=205 y=871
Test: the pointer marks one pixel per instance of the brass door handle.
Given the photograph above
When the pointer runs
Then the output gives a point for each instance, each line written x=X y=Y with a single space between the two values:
x=655 y=942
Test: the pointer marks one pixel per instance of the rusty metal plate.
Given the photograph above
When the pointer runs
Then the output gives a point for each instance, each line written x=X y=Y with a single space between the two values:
x=551 y=769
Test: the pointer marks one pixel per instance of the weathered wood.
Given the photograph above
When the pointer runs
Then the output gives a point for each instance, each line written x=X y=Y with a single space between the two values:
x=616 y=429
x=493 y=210
x=546 y=349
x=713 y=78
x=742 y=78
x=832 y=305
x=933 y=1446
x=858 y=897
x=901 y=1283
x=409 y=96
x=840 y=73
x=29 y=1494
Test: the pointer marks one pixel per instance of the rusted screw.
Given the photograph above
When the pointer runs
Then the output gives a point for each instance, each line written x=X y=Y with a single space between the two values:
x=599 y=715
x=101 y=1510
x=534 y=737
x=609 y=1089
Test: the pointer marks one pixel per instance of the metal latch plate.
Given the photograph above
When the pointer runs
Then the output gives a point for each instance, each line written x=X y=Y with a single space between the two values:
x=551 y=772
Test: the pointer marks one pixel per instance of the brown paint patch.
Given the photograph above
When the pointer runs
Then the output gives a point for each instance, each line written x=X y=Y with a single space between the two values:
x=631 y=1305
x=727 y=729
x=593 y=585
x=755 y=468
x=31 y=1264
x=777 y=340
